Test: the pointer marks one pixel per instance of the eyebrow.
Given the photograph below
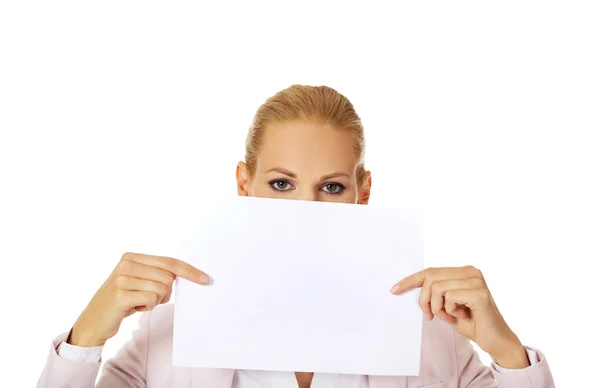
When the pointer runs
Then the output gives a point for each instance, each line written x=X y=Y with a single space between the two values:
x=335 y=175
x=292 y=175
x=283 y=171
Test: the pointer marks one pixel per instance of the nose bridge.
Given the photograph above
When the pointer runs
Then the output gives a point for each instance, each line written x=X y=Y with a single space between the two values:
x=307 y=193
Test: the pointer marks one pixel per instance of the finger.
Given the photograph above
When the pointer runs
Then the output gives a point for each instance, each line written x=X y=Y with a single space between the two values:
x=444 y=316
x=167 y=297
x=431 y=305
x=417 y=279
x=439 y=289
x=142 y=271
x=424 y=302
x=456 y=310
x=474 y=299
x=135 y=299
x=136 y=284
x=176 y=267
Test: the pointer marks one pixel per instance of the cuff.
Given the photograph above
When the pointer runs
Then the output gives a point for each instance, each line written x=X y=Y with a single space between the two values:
x=533 y=360
x=537 y=375
x=91 y=355
x=62 y=372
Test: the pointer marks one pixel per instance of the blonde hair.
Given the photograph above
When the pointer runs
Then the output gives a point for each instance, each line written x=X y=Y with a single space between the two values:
x=314 y=104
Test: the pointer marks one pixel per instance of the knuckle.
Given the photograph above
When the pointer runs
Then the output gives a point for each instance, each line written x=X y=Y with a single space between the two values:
x=127 y=256
x=164 y=290
x=166 y=276
x=171 y=277
x=447 y=301
x=436 y=288
x=121 y=297
x=427 y=285
x=124 y=267
x=480 y=283
x=476 y=272
x=483 y=295
x=152 y=299
x=171 y=262
x=173 y=267
x=121 y=281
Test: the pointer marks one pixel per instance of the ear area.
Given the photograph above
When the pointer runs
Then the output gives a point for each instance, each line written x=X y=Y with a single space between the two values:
x=243 y=182
x=364 y=191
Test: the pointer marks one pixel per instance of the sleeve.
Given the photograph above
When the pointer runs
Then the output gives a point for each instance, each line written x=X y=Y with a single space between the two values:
x=65 y=373
x=537 y=375
x=472 y=373
x=533 y=360
x=126 y=370
x=89 y=355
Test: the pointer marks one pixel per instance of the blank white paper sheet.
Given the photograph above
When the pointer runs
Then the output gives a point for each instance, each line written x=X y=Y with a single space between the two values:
x=301 y=286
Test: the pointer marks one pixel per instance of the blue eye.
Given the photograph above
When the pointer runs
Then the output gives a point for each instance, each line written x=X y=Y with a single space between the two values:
x=280 y=185
x=333 y=188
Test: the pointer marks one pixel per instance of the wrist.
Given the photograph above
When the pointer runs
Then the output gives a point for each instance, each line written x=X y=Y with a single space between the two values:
x=511 y=356
x=83 y=338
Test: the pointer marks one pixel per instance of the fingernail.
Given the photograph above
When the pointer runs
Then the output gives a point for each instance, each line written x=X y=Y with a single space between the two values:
x=204 y=279
x=395 y=288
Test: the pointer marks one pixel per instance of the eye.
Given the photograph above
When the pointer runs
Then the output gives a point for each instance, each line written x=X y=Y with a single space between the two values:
x=333 y=188
x=280 y=185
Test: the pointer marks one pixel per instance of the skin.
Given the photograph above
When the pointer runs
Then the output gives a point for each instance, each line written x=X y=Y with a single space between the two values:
x=304 y=161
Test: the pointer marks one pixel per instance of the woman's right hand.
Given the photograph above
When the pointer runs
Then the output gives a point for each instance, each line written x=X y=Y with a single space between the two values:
x=138 y=283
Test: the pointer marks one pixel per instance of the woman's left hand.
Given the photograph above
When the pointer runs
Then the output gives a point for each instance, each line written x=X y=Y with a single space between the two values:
x=460 y=297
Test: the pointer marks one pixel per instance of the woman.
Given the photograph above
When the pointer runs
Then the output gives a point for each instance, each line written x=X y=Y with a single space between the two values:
x=305 y=143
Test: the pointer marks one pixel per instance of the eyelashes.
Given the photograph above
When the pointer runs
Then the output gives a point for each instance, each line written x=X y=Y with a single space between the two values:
x=283 y=185
x=280 y=185
x=333 y=188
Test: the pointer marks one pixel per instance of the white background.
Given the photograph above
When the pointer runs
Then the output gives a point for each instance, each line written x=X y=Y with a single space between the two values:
x=117 y=118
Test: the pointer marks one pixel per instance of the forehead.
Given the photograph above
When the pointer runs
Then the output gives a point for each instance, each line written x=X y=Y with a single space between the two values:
x=306 y=147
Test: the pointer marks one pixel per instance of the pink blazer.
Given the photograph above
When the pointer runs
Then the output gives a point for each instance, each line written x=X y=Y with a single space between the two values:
x=447 y=360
